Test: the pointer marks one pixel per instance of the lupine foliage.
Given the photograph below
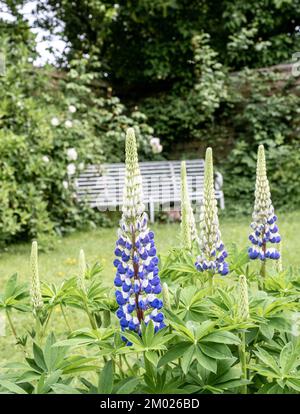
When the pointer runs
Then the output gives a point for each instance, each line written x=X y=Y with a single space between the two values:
x=240 y=337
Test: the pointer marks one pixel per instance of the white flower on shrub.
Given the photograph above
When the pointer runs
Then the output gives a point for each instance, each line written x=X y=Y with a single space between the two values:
x=65 y=184
x=81 y=166
x=72 y=154
x=154 y=141
x=68 y=123
x=72 y=109
x=45 y=158
x=71 y=169
x=156 y=145
x=54 y=121
x=157 y=149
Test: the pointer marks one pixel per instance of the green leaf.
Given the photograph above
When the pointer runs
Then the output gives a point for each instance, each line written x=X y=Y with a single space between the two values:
x=222 y=337
x=152 y=357
x=10 y=386
x=148 y=333
x=39 y=357
x=187 y=358
x=127 y=386
x=206 y=362
x=267 y=359
x=174 y=352
x=294 y=383
x=215 y=350
x=64 y=389
x=10 y=286
x=106 y=380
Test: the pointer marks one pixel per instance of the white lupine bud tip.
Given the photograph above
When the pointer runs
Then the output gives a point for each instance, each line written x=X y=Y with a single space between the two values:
x=208 y=153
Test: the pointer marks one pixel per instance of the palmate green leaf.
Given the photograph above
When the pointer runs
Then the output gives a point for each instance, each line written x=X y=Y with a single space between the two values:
x=205 y=361
x=188 y=357
x=183 y=331
x=14 y=295
x=223 y=337
x=288 y=358
x=10 y=386
x=10 y=286
x=53 y=355
x=39 y=357
x=294 y=383
x=106 y=379
x=52 y=379
x=64 y=389
x=75 y=342
x=27 y=376
x=270 y=389
x=78 y=363
x=147 y=332
x=173 y=353
x=152 y=357
x=203 y=329
x=215 y=350
x=147 y=341
x=263 y=370
x=126 y=386
x=86 y=337
x=190 y=306
x=268 y=360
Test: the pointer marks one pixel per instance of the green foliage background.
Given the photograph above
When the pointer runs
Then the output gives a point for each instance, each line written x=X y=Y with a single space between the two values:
x=36 y=192
x=191 y=66
x=185 y=71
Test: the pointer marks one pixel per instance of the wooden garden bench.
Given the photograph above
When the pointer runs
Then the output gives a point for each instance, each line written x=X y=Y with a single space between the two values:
x=102 y=186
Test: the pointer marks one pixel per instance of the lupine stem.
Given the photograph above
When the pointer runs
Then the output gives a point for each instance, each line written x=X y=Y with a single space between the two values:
x=43 y=331
x=65 y=318
x=128 y=366
x=210 y=284
x=263 y=269
x=14 y=331
x=243 y=361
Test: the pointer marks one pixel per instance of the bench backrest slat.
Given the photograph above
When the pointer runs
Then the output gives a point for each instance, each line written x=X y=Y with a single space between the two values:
x=103 y=185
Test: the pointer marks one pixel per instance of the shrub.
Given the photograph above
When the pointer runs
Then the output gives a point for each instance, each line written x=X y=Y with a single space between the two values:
x=52 y=126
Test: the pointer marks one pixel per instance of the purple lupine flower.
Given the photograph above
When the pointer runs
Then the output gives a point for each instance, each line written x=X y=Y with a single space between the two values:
x=212 y=252
x=136 y=260
x=265 y=233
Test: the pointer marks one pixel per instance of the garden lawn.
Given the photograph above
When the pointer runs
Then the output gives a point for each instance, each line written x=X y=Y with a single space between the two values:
x=99 y=246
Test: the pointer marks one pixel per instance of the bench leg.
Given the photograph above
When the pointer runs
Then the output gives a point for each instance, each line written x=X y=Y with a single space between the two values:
x=222 y=202
x=152 y=214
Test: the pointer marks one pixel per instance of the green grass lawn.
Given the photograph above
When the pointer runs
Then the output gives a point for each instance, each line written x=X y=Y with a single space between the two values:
x=99 y=246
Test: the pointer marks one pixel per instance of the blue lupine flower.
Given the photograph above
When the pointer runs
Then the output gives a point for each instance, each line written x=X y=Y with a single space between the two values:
x=136 y=256
x=264 y=224
x=212 y=253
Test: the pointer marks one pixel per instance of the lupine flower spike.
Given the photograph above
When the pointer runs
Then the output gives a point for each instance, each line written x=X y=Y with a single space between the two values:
x=81 y=270
x=264 y=225
x=36 y=295
x=243 y=302
x=136 y=260
x=188 y=226
x=212 y=253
